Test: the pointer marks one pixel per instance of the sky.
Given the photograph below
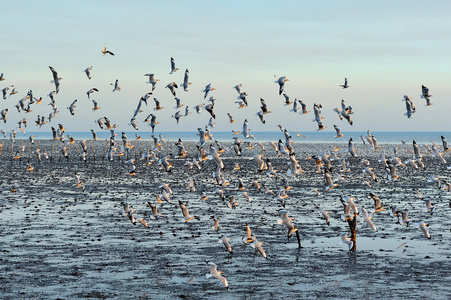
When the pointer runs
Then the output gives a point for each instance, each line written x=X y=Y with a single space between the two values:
x=386 y=49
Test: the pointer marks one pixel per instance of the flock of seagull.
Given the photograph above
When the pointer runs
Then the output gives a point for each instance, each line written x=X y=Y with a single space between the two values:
x=208 y=151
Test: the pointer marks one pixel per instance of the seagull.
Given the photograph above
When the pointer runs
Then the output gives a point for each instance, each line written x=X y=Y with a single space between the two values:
x=338 y=130
x=207 y=90
x=94 y=102
x=116 y=86
x=231 y=120
x=152 y=80
x=185 y=212
x=318 y=118
x=224 y=240
x=264 y=107
x=209 y=108
x=425 y=95
x=172 y=86
x=173 y=68
x=377 y=203
x=404 y=218
x=157 y=104
x=56 y=80
x=186 y=82
x=281 y=81
x=329 y=183
x=260 y=114
x=444 y=143
x=346 y=240
x=248 y=237
x=429 y=207
x=366 y=218
x=409 y=106
x=287 y=222
x=287 y=99
x=88 y=72
x=214 y=273
x=91 y=91
x=423 y=228
x=71 y=108
x=257 y=245
x=351 y=148
x=325 y=215
x=303 y=107
x=176 y=116
x=345 y=86
x=105 y=51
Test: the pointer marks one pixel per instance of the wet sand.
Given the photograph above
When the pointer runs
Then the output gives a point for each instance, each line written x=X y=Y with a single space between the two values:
x=61 y=242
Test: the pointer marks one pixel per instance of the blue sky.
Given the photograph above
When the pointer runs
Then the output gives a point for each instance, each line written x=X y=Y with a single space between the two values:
x=385 y=49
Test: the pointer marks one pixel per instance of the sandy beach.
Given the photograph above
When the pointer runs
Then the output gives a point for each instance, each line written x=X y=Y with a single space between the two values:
x=59 y=241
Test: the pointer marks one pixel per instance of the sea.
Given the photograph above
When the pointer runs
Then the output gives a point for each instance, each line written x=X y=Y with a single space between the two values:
x=383 y=137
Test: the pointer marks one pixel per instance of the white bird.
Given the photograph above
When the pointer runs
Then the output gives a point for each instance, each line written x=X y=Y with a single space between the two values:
x=116 y=86
x=346 y=240
x=345 y=85
x=172 y=86
x=186 y=82
x=214 y=273
x=366 y=218
x=88 y=72
x=425 y=95
x=173 y=68
x=207 y=90
x=287 y=222
x=152 y=80
x=423 y=228
x=409 y=106
x=224 y=240
x=257 y=245
x=281 y=81
x=329 y=183
x=56 y=80
x=71 y=108
x=318 y=119
x=185 y=212
x=338 y=130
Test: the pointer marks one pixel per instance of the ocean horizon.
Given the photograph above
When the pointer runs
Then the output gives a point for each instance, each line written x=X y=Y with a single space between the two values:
x=383 y=137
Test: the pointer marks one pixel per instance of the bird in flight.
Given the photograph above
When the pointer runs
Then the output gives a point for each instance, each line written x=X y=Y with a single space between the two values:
x=56 y=79
x=105 y=51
